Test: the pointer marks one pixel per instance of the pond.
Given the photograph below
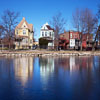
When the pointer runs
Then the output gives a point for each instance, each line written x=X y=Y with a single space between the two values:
x=50 y=78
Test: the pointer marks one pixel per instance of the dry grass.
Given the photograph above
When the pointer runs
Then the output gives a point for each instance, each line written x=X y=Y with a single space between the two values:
x=48 y=52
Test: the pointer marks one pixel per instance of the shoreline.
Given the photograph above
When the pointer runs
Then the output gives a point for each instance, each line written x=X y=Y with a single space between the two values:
x=39 y=53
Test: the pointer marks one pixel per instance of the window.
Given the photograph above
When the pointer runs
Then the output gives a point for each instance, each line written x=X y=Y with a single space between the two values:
x=17 y=32
x=71 y=35
x=24 y=31
x=42 y=33
x=26 y=41
x=50 y=34
x=45 y=33
x=30 y=41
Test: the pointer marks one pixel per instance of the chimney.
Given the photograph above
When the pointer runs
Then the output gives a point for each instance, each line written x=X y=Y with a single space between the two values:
x=23 y=18
x=64 y=31
x=46 y=23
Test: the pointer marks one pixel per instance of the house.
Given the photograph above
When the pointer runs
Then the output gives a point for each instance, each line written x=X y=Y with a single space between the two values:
x=24 y=35
x=74 y=37
x=64 y=35
x=64 y=40
x=69 y=40
x=48 y=33
x=87 y=40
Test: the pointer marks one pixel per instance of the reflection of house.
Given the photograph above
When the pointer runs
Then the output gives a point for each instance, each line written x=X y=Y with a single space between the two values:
x=48 y=33
x=23 y=69
x=73 y=63
x=46 y=66
x=62 y=62
x=24 y=35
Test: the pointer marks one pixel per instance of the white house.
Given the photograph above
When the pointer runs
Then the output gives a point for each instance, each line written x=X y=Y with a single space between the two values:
x=48 y=33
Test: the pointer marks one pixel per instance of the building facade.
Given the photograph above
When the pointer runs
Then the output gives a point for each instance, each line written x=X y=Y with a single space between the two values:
x=70 y=39
x=87 y=40
x=24 y=35
x=74 y=39
x=47 y=33
x=64 y=40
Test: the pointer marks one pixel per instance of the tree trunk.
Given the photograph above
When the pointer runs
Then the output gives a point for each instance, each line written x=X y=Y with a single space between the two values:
x=81 y=47
x=9 y=46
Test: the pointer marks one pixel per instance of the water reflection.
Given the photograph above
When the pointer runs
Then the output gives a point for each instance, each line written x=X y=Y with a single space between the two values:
x=23 y=68
x=74 y=63
x=46 y=67
x=41 y=78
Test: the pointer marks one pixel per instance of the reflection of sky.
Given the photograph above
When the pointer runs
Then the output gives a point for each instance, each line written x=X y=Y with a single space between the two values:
x=96 y=61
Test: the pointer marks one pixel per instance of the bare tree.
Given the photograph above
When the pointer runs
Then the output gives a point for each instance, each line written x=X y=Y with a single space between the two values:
x=1 y=30
x=90 y=21
x=58 y=23
x=76 y=19
x=1 y=33
x=98 y=14
x=97 y=29
x=78 y=23
x=9 y=21
x=84 y=22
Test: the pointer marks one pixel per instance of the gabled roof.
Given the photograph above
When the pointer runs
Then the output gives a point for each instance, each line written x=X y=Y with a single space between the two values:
x=30 y=26
x=48 y=27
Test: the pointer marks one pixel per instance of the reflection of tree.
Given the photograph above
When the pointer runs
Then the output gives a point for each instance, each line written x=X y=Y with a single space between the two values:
x=6 y=67
x=96 y=66
x=62 y=62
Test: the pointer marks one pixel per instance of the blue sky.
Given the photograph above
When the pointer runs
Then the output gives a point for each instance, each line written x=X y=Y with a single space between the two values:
x=38 y=12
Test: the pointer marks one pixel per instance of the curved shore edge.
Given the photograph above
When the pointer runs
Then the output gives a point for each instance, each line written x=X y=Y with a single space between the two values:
x=48 y=53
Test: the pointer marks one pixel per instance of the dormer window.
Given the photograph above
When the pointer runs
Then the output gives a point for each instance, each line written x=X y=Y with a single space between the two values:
x=24 y=31
x=17 y=32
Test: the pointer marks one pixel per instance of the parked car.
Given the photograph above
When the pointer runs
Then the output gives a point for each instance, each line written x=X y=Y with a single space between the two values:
x=34 y=47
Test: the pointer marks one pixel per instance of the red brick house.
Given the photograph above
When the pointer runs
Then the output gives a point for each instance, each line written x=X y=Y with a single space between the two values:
x=69 y=40
x=64 y=40
x=87 y=40
x=74 y=39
